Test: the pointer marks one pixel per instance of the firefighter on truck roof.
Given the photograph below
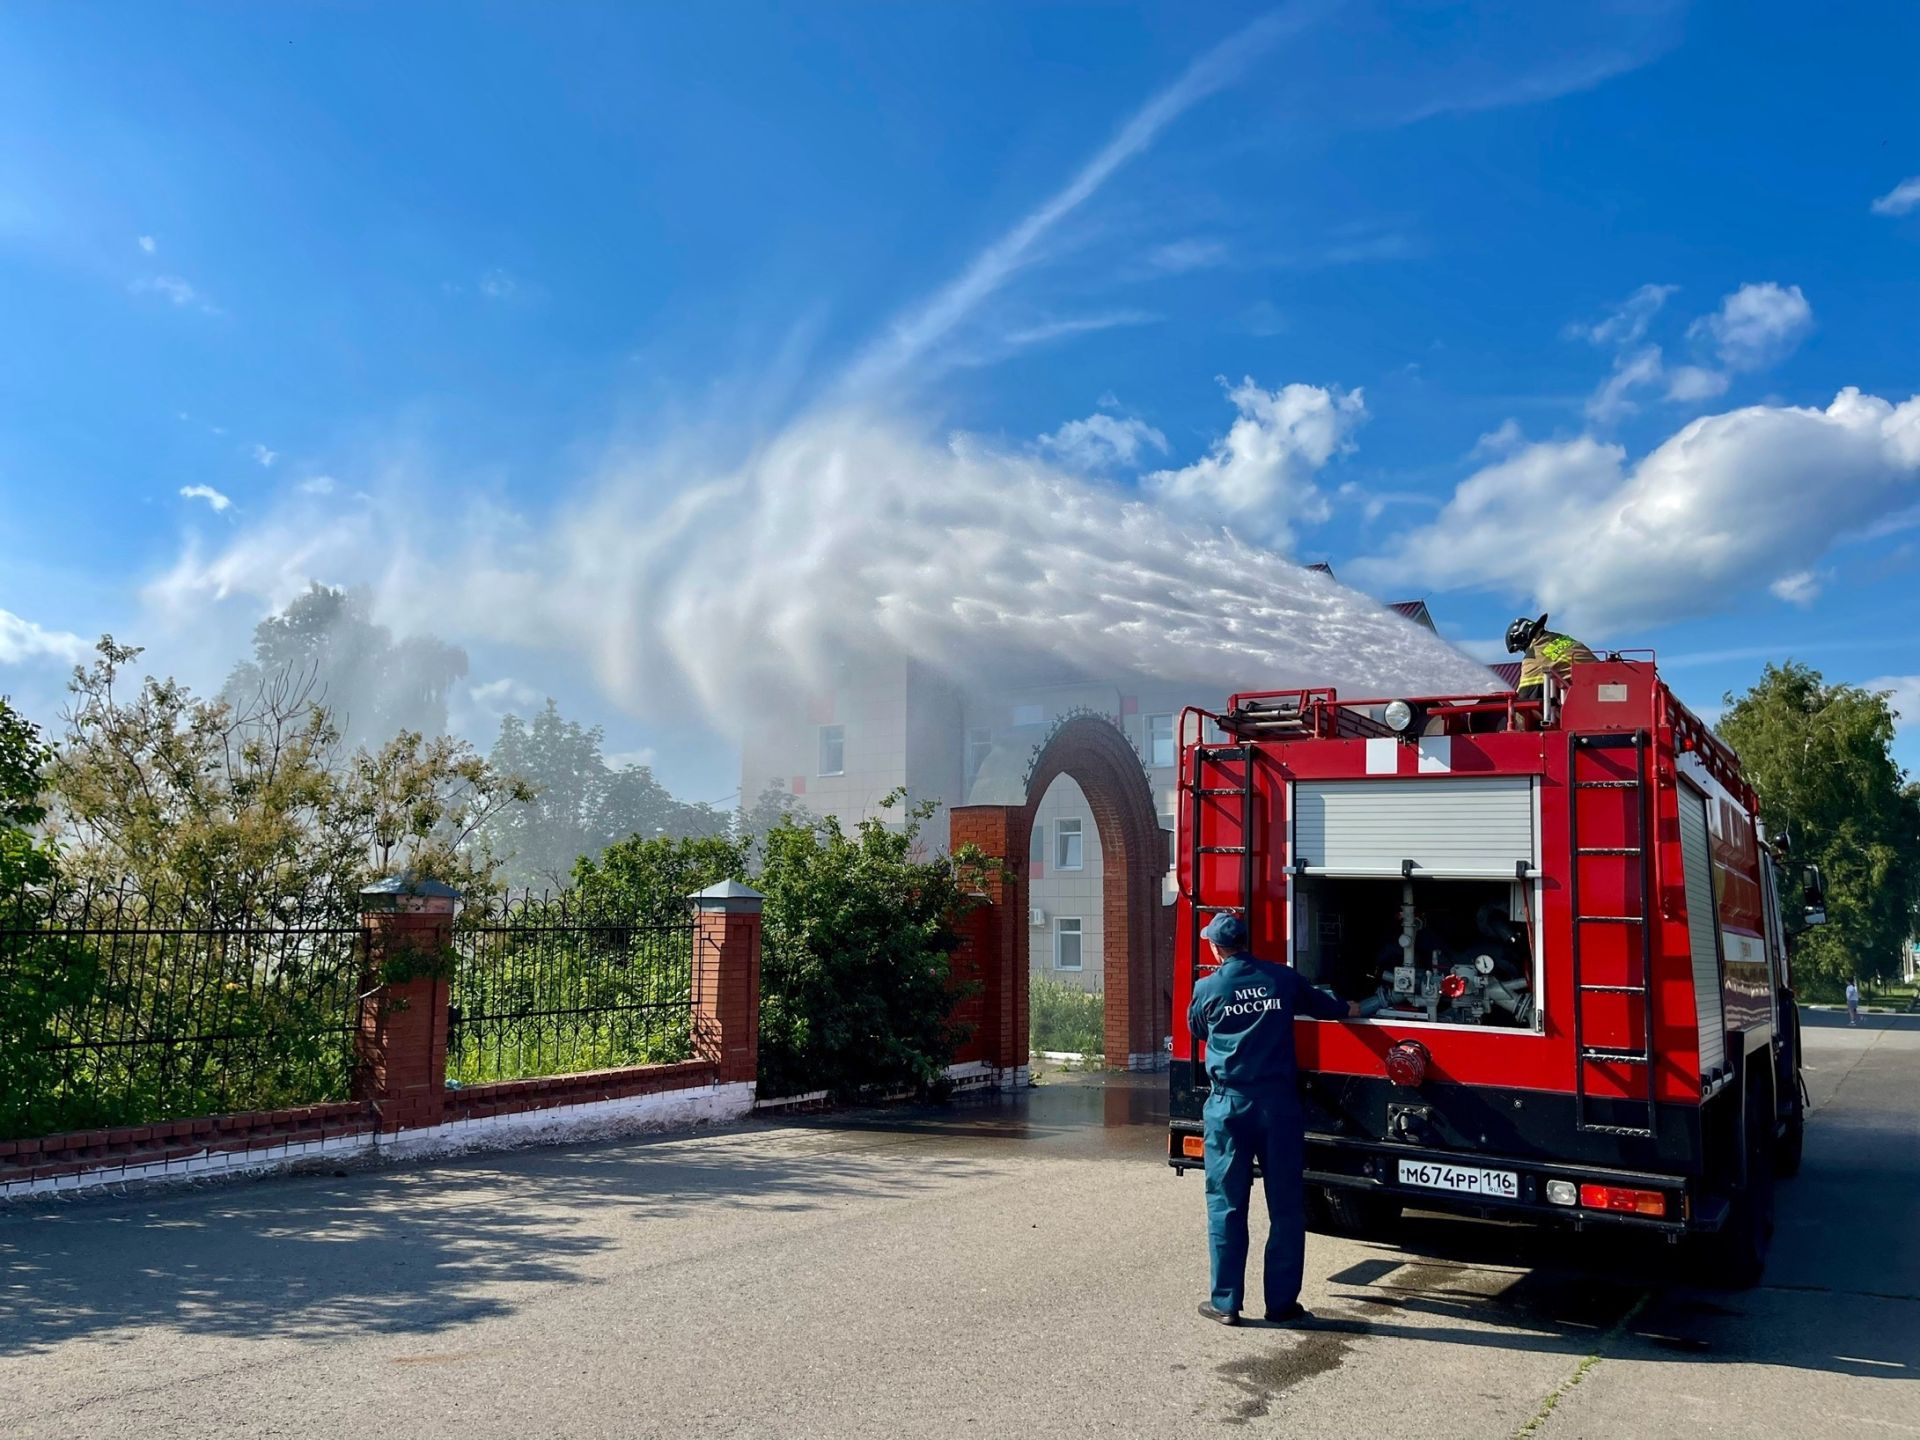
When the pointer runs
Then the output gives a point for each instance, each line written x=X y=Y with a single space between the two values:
x=1544 y=651
x=1244 y=1013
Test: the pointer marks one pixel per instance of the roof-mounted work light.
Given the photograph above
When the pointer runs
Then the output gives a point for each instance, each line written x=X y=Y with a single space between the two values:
x=1400 y=716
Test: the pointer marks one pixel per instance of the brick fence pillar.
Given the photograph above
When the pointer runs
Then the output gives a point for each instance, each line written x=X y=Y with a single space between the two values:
x=403 y=1025
x=1000 y=949
x=726 y=980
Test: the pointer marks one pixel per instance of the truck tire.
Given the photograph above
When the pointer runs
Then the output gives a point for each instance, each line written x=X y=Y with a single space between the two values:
x=1792 y=1140
x=1356 y=1213
x=1734 y=1257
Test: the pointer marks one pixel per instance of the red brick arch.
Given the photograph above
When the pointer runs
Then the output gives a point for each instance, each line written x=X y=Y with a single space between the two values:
x=1137 y=953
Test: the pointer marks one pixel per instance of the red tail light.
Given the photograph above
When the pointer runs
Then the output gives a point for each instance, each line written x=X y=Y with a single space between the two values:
x=1407 y=1063
x=1616 y=1197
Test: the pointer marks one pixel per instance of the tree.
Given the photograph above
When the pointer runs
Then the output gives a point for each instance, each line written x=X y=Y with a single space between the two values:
x=25 y=858
x=222 y=806
x=579 y=805
x=374 y=686
x=1821 y=757
x=774 y=807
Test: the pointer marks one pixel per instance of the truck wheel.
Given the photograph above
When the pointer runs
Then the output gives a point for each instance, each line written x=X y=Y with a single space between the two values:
x=1792 y=1139
x=1734 y=1258
x=1364 y=1216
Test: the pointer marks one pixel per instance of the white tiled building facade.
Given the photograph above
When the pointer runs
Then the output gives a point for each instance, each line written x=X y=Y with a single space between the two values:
x=882 y=728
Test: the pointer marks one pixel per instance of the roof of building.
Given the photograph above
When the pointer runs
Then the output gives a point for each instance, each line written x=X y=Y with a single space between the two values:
x=1416 y=611
x=1509 y=673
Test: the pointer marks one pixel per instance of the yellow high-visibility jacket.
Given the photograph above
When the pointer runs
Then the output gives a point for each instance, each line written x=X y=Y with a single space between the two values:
x=1551 y=652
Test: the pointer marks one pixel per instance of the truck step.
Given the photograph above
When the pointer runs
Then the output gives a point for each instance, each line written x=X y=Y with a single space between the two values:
x=1610 y=850
x=1606 y=784
x=1617 y=1057
x=1223 y=850
x=1640 y=1130
x=1216 y=790
x=1616 y=989
x=1610 y=919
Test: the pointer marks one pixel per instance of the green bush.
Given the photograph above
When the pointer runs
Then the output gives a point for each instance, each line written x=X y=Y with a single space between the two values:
x=1066 y=1018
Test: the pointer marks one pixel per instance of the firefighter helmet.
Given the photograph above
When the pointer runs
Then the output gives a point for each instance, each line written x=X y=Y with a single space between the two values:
x=1522 y=632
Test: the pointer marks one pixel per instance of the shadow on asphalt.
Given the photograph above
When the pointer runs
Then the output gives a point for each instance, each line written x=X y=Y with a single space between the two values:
x=420 y=1249
x=408 y=1250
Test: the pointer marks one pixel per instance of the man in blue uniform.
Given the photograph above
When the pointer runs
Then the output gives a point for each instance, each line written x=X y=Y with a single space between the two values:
x=1244 y=1012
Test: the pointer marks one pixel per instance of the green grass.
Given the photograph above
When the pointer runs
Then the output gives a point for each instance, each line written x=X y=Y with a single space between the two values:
x=1066 y=1018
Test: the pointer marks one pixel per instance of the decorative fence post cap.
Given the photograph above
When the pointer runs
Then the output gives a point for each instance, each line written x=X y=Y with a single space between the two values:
x=731 y=897
x=406 y=892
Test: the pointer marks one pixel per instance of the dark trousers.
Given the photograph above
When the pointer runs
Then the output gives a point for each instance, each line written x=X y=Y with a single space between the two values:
x=1241 y=1129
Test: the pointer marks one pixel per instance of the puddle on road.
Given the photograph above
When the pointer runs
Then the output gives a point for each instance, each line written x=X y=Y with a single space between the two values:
x=1262 y=1379
x=1120 y=1114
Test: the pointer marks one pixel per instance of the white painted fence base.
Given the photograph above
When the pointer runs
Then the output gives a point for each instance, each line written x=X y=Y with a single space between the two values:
x=597 y=1119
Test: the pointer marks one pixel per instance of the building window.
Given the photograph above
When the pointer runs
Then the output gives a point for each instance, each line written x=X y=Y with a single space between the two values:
x=1037 y=854
x=1066 y=845
x=1029 y=715
x=979 y=746
x=1160 y=741
x=1066 y=943
x=833 y=749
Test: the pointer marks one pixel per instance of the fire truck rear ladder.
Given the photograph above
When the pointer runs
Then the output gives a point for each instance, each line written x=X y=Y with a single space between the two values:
x=1218 y=756
x=1638 y=849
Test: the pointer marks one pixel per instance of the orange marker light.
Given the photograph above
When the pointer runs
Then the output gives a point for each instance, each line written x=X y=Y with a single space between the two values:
x=1193 y=1146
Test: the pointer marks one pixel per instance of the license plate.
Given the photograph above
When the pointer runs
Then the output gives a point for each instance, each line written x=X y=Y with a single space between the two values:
x=1463 y=1179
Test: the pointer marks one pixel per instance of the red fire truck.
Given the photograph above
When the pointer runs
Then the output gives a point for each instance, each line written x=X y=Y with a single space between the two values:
x=1564 y=920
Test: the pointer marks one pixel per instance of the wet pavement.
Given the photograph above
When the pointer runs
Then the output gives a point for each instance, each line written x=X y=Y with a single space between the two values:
x=1025 y=1267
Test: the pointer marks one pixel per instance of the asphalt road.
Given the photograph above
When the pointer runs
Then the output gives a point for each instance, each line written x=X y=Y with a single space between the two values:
x=1026 y=1269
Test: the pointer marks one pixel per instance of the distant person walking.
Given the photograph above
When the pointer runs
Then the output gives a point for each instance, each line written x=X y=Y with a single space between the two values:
x=1853 y=1002
x=1244 y=1013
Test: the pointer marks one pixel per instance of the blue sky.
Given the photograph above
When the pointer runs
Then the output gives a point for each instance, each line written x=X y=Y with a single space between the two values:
x=1506 y=306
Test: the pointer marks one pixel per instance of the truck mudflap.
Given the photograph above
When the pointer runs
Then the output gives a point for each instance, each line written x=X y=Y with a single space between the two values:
x=1493 y=1186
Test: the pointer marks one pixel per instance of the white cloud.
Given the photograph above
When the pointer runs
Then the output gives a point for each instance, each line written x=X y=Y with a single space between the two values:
x=262 y=454
x=1715 y=513
x=497 y=284
x=506 y=696
x=1190 y=254
x=1690 y=383
x=646 y=756
x=174 y=289
x=1054 y=329
x=22 y=641
x=1503 y=441
x=1628 y=323
x=926 y=325
x=1259 y=475
x=1756 y=326
x=1630 y=373
x=1102 y=441
x=319 y=485
x=148 y=244
x=207 y=493
x=1903 y=199
x=1801 y=588
x=1903 y=695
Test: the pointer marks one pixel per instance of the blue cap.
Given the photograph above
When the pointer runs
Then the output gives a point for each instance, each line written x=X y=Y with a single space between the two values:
x=1227 y=931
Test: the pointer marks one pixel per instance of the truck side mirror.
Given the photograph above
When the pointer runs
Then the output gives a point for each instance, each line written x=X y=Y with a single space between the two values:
x=1814 y=896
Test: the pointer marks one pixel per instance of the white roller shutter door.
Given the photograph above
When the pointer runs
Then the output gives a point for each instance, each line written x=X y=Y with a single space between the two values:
x=1477 y=826
x=1703 y=930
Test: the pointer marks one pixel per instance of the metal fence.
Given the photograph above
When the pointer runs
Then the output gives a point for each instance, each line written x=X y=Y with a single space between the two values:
x=543 y=987
x=119 y=1009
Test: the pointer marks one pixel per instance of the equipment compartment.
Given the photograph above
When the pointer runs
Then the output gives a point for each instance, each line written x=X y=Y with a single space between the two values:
x=1465 y=959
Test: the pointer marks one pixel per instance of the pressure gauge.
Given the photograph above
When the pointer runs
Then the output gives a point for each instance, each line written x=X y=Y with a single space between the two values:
x=1483 y=963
